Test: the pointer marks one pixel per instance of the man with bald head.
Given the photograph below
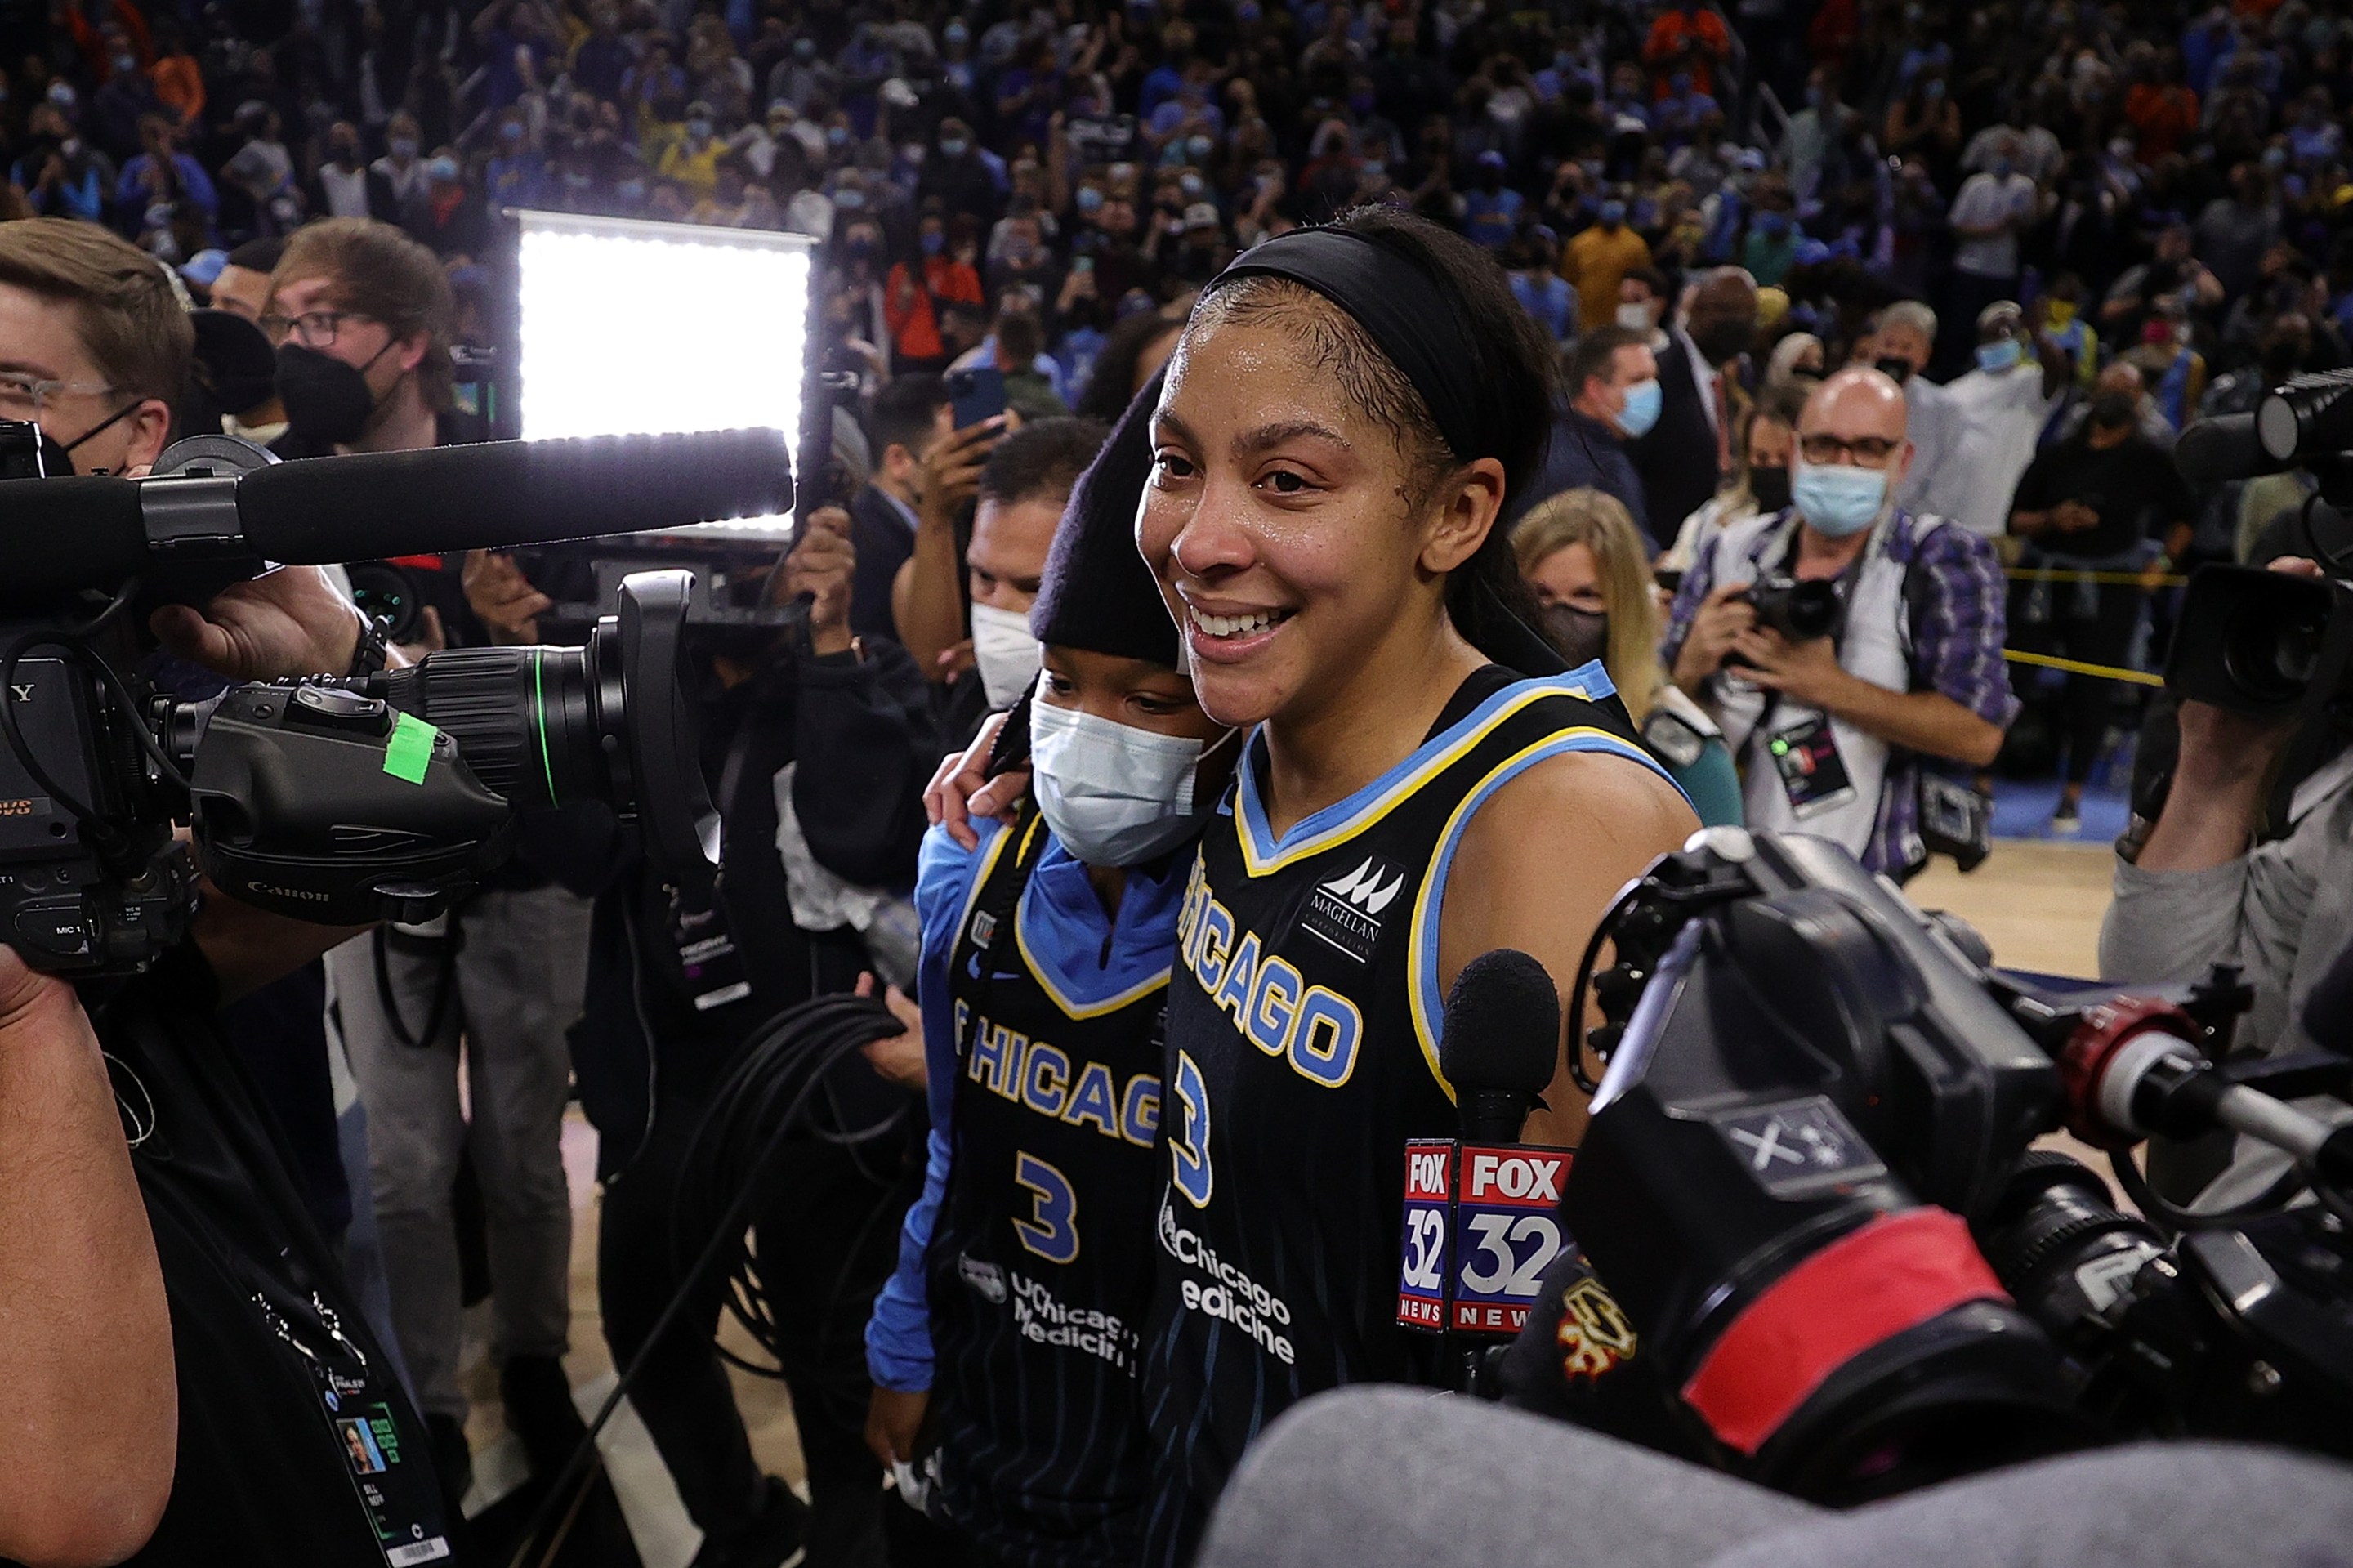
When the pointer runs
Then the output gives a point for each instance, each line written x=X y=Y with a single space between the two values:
x=1832 y=732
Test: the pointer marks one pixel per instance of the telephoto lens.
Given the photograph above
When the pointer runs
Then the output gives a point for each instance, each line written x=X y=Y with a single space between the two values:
x=531 y=723
x=389 y=796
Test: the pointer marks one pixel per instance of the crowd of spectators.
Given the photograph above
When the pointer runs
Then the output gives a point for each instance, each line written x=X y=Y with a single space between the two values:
x=2167 y=192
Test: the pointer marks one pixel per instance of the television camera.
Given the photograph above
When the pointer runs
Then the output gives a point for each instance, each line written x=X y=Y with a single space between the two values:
x=338 y=800
x=1808 y=1182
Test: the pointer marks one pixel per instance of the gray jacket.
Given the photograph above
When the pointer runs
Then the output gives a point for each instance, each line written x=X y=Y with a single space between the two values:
x=2283 y=912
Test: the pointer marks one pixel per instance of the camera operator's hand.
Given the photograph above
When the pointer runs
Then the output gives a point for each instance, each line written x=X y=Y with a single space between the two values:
x=895 y=1422
x=503 y=598
x=898 y=1057
x=1723 y=617
x=290 y=621
x=822 y=565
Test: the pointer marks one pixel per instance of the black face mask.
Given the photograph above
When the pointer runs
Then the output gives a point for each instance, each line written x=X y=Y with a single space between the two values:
x=1770 y=486
x=1580 y=636
x=33 y=454
x=1720 y=341
x=326 y=401
x=1897 y=370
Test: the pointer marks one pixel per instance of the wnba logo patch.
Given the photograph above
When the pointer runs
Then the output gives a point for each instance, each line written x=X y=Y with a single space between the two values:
x=1345 y=912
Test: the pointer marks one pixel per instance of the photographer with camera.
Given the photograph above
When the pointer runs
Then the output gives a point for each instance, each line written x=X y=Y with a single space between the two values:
x=2219 y=880
x=294 y=1442
x=1833 y=712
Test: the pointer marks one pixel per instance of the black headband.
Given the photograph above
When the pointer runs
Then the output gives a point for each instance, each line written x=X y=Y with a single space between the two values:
x=1421 y=327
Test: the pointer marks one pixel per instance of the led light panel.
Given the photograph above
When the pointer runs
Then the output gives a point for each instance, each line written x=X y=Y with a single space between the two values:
x=632 y=327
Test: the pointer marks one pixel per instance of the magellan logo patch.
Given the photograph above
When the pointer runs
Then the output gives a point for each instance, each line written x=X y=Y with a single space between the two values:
x=1345 y=912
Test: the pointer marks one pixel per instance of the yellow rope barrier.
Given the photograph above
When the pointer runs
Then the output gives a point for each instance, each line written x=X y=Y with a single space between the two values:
x=2077 y=667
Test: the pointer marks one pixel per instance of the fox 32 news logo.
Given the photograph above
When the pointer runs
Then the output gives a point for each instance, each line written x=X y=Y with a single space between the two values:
x=1481 y=1228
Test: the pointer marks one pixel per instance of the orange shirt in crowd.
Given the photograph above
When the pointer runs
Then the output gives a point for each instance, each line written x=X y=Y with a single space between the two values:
x=1594 y=262
x=2162 y=114
x=179 y=87
x=1702 y=32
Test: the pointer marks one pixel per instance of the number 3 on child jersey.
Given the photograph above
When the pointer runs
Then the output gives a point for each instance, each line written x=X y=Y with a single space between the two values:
x=1189 y=1144
x=1052 y=1230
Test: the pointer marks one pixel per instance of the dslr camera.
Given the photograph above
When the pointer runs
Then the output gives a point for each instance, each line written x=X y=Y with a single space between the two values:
x=1801 y=611
x=341 y=801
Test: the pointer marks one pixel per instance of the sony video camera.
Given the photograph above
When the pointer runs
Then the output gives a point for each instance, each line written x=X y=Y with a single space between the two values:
x=1808 y=1183
x=385 y=796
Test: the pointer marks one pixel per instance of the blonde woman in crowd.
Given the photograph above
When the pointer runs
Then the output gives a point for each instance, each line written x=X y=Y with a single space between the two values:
x=1582 y=556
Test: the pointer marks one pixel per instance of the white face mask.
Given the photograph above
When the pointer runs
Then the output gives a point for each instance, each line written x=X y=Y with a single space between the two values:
x=1114 y=794
x=1007 y=656
x=1634 y=318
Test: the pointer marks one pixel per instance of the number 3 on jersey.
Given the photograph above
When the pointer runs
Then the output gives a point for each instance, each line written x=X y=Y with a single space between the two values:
x=1188 y=1143
x=1052 y=1230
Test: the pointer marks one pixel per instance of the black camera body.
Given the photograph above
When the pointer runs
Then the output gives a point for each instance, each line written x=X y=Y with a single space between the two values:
x=1801 y=609
x=1806 y=1180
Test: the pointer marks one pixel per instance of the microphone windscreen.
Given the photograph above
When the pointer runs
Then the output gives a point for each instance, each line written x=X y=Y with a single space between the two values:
x=510 y=493
x=1503 y=1025
x=1375 y=1477
x=63 y=534
x=2224 y=447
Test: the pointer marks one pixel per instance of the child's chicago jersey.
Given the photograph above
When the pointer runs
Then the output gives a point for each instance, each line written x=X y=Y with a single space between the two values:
x=1040 y=1260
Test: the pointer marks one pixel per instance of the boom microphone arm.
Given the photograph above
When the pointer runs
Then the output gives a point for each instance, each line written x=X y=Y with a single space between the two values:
x=60 y=535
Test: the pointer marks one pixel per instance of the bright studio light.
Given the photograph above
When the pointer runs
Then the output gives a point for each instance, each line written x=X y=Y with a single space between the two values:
x=631 y=327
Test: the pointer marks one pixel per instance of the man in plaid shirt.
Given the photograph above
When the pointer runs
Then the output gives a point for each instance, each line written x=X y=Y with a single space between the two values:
x=1832 y=732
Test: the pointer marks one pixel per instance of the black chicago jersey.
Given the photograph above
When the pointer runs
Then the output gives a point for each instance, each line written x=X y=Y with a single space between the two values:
x=1302 y=1052
x=1040 y=1268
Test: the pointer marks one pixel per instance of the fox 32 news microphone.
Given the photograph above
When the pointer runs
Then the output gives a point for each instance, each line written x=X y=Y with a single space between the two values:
x=1480 y=1227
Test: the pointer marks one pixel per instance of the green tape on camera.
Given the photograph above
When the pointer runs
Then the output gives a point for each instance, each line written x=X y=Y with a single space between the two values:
x=410 y=750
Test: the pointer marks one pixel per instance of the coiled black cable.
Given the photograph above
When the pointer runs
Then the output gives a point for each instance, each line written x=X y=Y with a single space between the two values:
x=730 y=1150
x=784 y=1064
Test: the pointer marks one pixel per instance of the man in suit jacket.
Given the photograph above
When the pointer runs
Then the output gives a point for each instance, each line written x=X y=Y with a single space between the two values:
x=910 y=414
x=1687 y=454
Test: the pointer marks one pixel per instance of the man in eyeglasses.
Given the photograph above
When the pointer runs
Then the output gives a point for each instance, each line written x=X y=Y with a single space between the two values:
x=1832 y=731
x=362 y=316
x=99 y=382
